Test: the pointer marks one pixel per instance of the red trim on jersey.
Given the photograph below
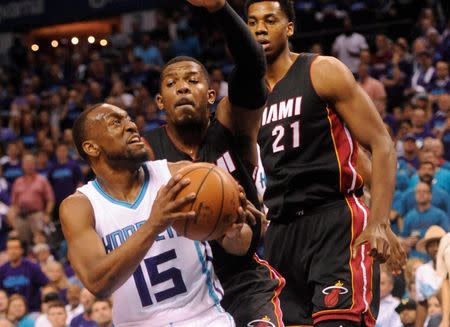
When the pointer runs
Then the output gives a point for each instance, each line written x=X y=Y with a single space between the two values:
x=346 y=153
x=281 y=282
x=361 y=273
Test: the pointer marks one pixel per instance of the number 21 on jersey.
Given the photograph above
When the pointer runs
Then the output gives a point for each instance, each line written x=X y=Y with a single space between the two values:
x=279 y=132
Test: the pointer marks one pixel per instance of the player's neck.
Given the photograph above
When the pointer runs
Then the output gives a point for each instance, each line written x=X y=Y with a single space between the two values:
x=278 y=68
x=187 y=140
x=123 y=185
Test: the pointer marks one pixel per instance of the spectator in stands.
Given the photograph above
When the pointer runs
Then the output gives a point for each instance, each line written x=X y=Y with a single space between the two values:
x=419 y=125
x=64 y=176
x=382 y=57
x=443 y=269
x=422 y=77
x=410 y=153
x=149 y=53
x=18 y=311
x=32 y=200
x=3 y=303
x=43 y=255
x=85 y=319
x=440 y=83
x=186 y=43
x=439 y=198
x=54 y=271
x=407 y=310
x=42 y=163
x=49 y=296
x=434 y=312
x=102 y=312
x=74 y=306
x=428 y=281
x=20 y=275
x=436 y=146
x=5 y=323
x=387 y=316
x=439 y=119
x=57 y=314
x=347 y=46
x=374 y=88
x=11 y=165
x=420 y=218
x=441 y=176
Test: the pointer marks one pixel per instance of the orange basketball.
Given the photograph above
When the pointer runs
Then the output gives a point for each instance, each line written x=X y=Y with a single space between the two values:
x=216 y=204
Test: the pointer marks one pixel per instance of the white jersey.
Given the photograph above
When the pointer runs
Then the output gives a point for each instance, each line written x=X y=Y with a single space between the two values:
x=175 y=284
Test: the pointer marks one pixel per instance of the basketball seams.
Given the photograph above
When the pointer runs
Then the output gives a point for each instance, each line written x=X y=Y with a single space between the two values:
x=221 y=203
x=186 y=223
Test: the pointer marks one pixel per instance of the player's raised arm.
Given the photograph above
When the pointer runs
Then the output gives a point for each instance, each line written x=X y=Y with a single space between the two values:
x=102 y=273
x=335 y=84
x=247 y=91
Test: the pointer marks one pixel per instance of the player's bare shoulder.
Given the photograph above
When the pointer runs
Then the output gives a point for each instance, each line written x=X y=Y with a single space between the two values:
x=330 y=77
x=76 y=207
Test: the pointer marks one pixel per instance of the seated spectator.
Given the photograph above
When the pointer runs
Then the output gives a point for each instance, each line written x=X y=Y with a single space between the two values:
x=102 y=312
x=441 y=176
x=85 y=319
x=18 y=311
x=11 y=166
x=43 y=255
x=439 y=119
x=408 y=312
x=387 y=316
x=49 y=296
x=410 y=277
x=410 y=152
x=149 y=53
x=436 y=146
x=57 y=314
x=440 y=83
x=3 y=303
x=428 y=281
x=434 y=312
x=186 y=43
x=421 y=78
x=439 y=198
x=20 y=275
x=54 y=271
x=5 y=323
x=419 y=126
x=74 y=306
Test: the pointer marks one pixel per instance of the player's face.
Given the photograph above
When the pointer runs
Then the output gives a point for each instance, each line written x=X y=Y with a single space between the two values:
x=270 y=26
x=185 y=94
x=113 y=135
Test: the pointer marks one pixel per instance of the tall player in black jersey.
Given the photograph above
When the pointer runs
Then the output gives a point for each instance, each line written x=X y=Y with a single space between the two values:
x=251 y=286
x=321 y=236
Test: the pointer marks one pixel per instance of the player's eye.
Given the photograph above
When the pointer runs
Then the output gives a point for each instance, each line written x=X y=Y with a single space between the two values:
x=116 y=121
x=251 y=23
x=193 y=81
x=271 y=21
x=170 y=83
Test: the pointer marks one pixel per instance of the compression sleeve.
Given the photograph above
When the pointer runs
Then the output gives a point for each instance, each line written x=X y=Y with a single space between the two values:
x=246 y=85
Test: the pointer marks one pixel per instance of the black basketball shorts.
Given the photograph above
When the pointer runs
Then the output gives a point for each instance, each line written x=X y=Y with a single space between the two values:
x=313 y=252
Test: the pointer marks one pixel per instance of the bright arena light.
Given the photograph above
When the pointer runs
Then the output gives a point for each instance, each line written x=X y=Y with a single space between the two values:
x=55 y=44
x=91 y=39
x=74 y=40
x=35 y=47
x=103 y=42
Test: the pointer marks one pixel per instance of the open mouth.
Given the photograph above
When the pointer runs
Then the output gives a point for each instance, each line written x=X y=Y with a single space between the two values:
x=135 y=140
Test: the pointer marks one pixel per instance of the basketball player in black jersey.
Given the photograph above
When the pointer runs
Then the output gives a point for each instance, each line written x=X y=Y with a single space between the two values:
x=229 y=140
x=321 y=236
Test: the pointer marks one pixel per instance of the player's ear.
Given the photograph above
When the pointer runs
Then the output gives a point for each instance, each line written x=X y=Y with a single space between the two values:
x=159 y=101
x=211 y=96
x=290 y=29
x=91 y=149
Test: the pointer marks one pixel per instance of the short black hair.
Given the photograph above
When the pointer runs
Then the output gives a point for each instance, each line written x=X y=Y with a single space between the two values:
x=23 y=244
x=186 y=58
x=287 y=6
x=79 y=130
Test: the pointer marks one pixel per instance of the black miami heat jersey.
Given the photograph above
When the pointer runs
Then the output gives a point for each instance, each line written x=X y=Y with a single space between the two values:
x=218 y=148
x=308 y=153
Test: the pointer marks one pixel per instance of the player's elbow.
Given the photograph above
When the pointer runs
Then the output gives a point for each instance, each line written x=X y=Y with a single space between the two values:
x=99 y=289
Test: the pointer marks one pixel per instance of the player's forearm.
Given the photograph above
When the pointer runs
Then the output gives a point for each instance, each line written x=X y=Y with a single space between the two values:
x=446 y=301
x=245 y=50
x=115 y=268
x=384 y=162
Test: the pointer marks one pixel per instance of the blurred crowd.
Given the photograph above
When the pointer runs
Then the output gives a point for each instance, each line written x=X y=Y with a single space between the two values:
x=42 y=93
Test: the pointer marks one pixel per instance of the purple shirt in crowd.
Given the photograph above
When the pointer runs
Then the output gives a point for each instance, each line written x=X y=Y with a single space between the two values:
x=64 y=179
x=26 y=279
x=79 y=321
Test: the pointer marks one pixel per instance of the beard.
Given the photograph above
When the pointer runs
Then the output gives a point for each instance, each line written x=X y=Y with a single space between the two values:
x=126 y=159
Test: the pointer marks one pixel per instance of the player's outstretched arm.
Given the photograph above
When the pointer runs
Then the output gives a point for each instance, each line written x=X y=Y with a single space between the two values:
x=334 y=82
x=247 y=92
x=102 y=273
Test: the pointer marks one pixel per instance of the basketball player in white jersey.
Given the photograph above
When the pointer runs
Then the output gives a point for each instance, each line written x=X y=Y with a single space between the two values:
x=118 y=229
